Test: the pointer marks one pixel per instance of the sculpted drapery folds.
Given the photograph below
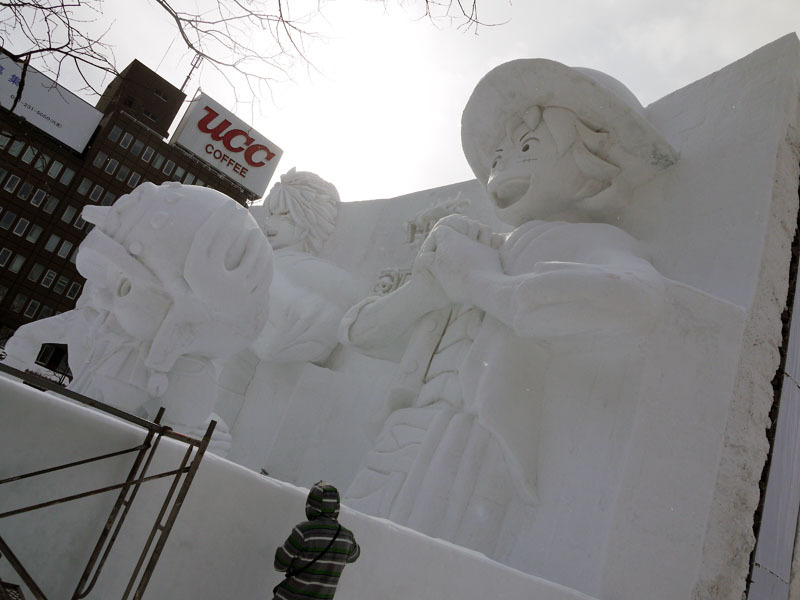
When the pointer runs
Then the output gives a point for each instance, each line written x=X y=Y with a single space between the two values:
x=488 y=316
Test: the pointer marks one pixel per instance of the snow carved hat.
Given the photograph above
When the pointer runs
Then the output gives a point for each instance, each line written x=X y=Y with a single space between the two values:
x=599 y=100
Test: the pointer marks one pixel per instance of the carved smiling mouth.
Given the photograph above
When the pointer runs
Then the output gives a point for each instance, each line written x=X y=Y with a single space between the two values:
x=508 y=190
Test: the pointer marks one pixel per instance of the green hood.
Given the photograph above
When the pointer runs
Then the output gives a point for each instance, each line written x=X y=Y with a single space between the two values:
x=323 y=501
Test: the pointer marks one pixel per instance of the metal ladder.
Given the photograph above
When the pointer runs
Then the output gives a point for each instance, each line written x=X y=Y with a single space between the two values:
x=182 y=477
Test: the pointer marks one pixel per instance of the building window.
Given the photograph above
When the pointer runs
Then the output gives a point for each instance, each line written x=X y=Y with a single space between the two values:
x=38 y=198
x=54 y=170
x=158 y=161
x=24 y=190
x=67 y=176
x=86 y=183
x=36 y=272
x=147 y=154
x=5 y=254
x=160 y=94
x=108 y=199
x=5 y=137
x=3 y=173
x=66 y=247
x=8 y=219
x=48 y=278
x=199 y=182
x=52 y=242
x=50 y=205
x=100 y=159
x=123 y=172
x=30 y=152
x=11 y=184
x=189 y=179
x=115 y=132
x=74 y=290
x=150 y=115
x=34 y=233
x=126 y=140
x=21 y=226
x=136 y=150
x=41 y=162
x=61 y=285
x=134 y=180
x=168 y=167
x=112 y=166
x=16 y=147
x=19 y=301
x=79 y=223
x=178 y=173
x=3 y=292
x=69 y=214
x=16 y=263
x=46 y=312
x=33 y=306
x=96 y=193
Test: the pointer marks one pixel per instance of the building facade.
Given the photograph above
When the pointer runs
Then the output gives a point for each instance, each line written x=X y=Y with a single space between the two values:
x=44 y=185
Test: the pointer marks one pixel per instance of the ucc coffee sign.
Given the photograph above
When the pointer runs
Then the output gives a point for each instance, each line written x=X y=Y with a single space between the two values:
x=219 y=138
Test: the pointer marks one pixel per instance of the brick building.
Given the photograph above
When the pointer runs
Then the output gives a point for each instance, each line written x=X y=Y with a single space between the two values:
x=44 y=184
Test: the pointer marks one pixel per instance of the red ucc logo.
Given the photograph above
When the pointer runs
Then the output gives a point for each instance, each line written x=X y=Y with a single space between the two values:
x=235 y=140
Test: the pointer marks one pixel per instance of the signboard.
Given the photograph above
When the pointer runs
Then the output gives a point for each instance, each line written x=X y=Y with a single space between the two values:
x=222 y=140
x=47 y=105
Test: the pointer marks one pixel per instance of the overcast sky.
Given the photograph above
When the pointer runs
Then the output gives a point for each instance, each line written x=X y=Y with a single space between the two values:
x=379 y=114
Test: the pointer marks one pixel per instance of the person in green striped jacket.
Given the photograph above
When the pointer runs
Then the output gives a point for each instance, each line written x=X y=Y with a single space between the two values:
x=315 y=554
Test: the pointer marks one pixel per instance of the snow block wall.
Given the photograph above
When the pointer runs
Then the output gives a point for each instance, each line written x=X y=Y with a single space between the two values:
x=223 y=542
x=726 y=227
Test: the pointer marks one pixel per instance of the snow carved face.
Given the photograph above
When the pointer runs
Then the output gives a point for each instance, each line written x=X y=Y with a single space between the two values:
x=123 y=286
x=530 y=177
x=282 y=231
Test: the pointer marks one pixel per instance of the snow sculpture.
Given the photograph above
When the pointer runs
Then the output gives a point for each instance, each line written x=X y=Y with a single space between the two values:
x=420 y=226
x=488 y=317
x=390 y=279
x=309 y=295
x=176 y=276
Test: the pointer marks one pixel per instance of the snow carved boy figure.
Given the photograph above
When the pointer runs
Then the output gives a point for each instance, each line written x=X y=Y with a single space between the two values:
x=315 y=554
x=512 y=335
x=309 y=295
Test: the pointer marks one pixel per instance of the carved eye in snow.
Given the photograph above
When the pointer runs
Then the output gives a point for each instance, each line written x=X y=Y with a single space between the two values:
x=526 y=147
x=124 y=288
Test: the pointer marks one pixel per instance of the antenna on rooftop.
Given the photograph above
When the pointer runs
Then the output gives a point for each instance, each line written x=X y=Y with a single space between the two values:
x=195 y=63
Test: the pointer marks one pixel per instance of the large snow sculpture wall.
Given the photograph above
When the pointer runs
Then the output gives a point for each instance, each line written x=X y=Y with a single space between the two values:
x=610 y=435
x=647 y=453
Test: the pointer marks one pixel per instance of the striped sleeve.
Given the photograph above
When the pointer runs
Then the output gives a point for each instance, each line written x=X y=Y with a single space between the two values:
x=290 y=550
x=355 y=550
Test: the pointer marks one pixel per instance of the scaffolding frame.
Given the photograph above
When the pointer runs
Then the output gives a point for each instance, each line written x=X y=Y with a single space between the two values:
x=182 y=478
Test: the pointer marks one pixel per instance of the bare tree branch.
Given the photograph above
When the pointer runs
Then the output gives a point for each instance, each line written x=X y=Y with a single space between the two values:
x=53 y=34
x=254 y=40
